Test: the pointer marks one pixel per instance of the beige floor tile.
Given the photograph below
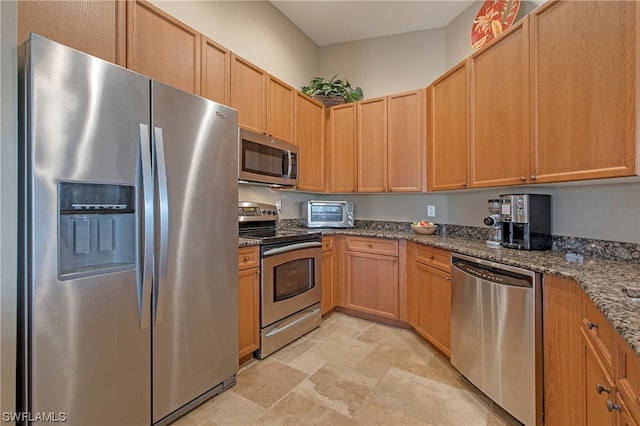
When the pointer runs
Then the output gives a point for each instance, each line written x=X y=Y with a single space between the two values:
x=267 y=381
x=343 y=350
x=228 y=408
x=293 y=350
x=372 y=413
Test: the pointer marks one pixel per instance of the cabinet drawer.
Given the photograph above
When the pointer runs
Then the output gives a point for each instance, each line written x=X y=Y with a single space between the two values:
x=248 y=257
x=372 y=245
x=600 y=332
x=437 y=258
x=327 y=244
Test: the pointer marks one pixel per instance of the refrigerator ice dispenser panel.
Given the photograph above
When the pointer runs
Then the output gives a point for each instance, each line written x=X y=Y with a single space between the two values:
x=97 y=228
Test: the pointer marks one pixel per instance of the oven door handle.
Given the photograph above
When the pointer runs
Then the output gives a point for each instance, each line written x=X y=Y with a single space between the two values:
x=292 y=247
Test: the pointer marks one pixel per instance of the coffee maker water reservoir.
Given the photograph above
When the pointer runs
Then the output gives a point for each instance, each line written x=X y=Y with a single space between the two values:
x=526 y=221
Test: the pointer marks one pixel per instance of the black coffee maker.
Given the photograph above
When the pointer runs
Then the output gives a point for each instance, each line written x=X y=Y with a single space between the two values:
x=526 y=221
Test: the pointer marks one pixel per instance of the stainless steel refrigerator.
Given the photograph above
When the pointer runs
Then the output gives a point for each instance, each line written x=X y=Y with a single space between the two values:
x=128 y=282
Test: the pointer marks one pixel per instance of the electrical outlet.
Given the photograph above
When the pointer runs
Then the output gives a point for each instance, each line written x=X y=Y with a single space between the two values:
x=279 y=205
x=431 y=211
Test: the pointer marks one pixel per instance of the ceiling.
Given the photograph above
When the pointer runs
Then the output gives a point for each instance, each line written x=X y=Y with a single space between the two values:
x=329 y=22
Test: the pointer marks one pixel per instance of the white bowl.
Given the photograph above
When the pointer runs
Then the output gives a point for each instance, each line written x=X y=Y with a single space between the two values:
x=424 y=230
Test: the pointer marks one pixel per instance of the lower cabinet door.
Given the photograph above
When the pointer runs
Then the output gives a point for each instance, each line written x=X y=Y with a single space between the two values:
x=434 y=306
x=248 y=311
x=329 y=296
x=599 y=389
x=372 y=284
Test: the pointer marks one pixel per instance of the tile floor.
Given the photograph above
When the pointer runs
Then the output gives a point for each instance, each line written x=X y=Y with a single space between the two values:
x=350 y=372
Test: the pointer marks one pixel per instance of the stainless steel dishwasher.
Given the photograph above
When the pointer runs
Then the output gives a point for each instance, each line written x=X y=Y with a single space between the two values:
x=496 y=333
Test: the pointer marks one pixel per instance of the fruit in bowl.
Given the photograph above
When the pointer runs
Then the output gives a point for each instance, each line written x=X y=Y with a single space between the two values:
x=424 y=227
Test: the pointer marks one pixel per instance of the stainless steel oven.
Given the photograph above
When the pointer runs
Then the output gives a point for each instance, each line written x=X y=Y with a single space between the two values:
x=291 y=277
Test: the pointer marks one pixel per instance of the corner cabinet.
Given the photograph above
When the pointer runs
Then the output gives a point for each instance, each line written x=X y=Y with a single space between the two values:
x=499 y=111
x=162 y=47
x=429 y=295
x=371 y=276
x=448 y=130
x=309 y=137
x=342 y=147
x=248 y=301
x=584 y=73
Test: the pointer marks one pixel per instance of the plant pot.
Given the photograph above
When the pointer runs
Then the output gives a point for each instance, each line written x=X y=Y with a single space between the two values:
x=330 y=101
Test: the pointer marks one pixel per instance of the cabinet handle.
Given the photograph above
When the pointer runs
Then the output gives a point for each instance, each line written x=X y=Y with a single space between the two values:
x=464 y=185
x=449 y=278
x=534 y=177
x=523 y=179
x=246 y=258
x=611 y=406
x=431 y=257
x=591 y=325
x=370 y=245
x=601 y=388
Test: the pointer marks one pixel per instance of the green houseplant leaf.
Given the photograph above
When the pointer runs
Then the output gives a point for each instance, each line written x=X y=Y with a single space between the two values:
x=321 y=86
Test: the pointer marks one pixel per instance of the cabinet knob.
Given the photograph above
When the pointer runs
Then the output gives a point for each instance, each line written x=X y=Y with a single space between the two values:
x=534 y=177
x=430 y=257
x=601 y=388
x=464 y=185
x=246 y=258
x=591 y=325
x=611 y=406
x=523 y=179
x=370 y=245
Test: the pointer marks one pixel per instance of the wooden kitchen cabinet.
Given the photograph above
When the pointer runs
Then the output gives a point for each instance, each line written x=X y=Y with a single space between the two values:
x=406 y=150
x=94 y=27
x=429 y=295
x=248 y=301
x=372 y=145
x=499 y=110
x=583 y=90
x=371 y=276
x=162 y=47
x=599 y=387
x=264 y=103
x=448 y=130
x=563 y=348
x=628 y=384
x=309 y=136
x=216 y=69
x=329 y=275
x=342 y=147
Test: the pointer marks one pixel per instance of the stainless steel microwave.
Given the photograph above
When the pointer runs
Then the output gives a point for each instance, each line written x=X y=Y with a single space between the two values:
x=264 y=159
x=327 y=214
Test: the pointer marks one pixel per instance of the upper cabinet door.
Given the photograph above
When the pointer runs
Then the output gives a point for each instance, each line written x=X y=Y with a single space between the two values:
x=583 y=90
x=448 y=130
x=309 y=136
x=216 y=69
x=161 y=47
x=342 y=137
x=249 y=94
x=499 y=97
x=281 y=98
x=94 y=27
x=406 y=120
x=372 y=145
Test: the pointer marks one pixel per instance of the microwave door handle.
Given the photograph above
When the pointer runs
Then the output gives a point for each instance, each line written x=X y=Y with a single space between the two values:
x=289 y=165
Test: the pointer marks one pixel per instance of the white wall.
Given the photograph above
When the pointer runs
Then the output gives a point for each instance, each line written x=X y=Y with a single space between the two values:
x=255 y=30
x=8 y=202
x=387 y=65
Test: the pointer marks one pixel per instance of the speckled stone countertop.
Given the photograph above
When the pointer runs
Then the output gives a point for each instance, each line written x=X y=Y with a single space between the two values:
x=247 y=242
x=604 y=281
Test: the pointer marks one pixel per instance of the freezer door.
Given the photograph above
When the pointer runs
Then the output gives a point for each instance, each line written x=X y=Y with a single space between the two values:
x=194 y=323
x=86 y=337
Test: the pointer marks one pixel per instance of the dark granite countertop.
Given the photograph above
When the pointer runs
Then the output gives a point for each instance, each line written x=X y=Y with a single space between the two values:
x=247 y=242
x=604 y=281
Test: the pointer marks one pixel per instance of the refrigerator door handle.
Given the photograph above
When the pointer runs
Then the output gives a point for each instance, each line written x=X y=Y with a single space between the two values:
x=144 y=285
x=163 y=208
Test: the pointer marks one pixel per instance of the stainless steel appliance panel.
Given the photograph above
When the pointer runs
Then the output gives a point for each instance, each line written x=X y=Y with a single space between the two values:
x=82 y=124
x=196 y=279
x=496 y=333
x=299 y=262
x=267 y=160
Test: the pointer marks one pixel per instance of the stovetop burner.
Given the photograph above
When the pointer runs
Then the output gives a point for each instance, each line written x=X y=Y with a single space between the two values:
x=259 y=221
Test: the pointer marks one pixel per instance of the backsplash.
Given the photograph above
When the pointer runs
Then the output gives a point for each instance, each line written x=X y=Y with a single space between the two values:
x=607 y=250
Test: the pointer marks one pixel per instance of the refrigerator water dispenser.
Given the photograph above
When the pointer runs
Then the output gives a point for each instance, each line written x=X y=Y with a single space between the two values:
x=97 y=229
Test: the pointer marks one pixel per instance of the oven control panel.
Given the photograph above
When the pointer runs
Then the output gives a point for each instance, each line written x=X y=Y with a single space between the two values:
x=251 y=211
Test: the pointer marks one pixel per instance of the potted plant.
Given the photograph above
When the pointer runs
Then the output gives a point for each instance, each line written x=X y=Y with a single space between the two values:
x=332 y=92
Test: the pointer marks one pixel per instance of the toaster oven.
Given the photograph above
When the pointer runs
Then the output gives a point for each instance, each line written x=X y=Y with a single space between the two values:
x=327 y=214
